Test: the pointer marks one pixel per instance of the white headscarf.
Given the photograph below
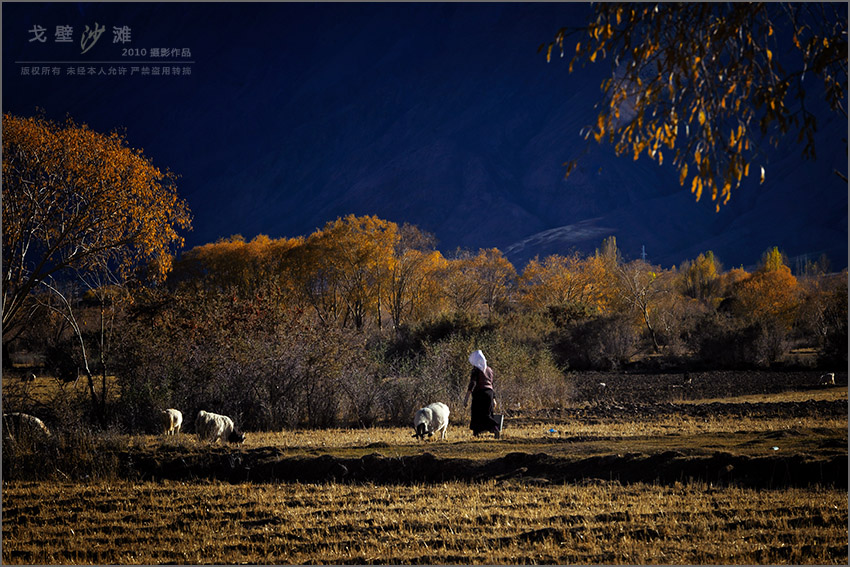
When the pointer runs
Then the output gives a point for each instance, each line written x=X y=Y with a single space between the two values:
x=478 y=361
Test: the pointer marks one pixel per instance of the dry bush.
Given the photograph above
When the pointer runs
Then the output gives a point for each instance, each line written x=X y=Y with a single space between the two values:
x=73 y=452
x=723 y=342
x=600 y=343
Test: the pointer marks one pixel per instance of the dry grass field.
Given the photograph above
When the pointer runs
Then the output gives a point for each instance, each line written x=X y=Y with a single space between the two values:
x=489 y=522
x=557 y=488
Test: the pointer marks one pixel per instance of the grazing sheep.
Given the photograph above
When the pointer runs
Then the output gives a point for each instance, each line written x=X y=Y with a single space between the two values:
x=828 y=379
x=23 y=425
x=431 y=419
x=212 y=427
x=172 y=419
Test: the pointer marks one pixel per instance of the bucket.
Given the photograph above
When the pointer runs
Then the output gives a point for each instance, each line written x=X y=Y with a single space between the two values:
x=500 y=419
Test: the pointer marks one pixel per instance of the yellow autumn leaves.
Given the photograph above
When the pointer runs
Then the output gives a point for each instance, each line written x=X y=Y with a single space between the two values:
x=353 y=270
x=77 y=199
x=714 y=65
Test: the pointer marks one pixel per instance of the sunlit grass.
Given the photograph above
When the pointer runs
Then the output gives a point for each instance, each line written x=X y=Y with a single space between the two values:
x=827 y=394
x=570 y=429
x=489 y=522
x=44 y=389
x=567 y=438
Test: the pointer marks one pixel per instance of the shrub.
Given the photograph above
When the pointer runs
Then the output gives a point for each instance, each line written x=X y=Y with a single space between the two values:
x=565 y=314
x=445 y=367
x=75 y=453
x=265 y=369
x=601 y=343
x=528 y=328
x=526 y=377
x=723 y=342
x=525 y=373
x=445 y=326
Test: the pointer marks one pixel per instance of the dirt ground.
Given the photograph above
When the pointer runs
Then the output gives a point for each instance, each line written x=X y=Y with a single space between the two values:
x=653 y=388
x=270 y=465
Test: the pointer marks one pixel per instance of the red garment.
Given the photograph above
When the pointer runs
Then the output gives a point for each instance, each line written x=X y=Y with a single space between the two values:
x=481 y=380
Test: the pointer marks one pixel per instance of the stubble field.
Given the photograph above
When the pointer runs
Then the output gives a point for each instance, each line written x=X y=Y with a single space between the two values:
x=491 y=522
x=696 y=478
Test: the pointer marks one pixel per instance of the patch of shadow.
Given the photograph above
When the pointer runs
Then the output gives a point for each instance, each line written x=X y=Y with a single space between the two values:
x=262 y=522
x=784 y=433
x=834 y=443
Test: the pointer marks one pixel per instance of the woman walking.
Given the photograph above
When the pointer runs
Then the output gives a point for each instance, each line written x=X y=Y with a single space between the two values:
x=481 y=389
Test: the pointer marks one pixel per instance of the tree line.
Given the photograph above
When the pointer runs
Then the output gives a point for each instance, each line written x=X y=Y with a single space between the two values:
x=372 y=275
x=364 y=320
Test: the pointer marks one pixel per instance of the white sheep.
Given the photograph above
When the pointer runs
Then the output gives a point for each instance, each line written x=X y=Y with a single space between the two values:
x=212 y=427
x=171 y=420
x=433 y=418
x=23 y=425
x=828 y=379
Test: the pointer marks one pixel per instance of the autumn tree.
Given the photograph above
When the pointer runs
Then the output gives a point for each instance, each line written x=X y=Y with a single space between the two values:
x=609 y=252
x=573 y=282
x=84 y=207
x=642 y=286
x=770 y=294
x=730 y=278
x=604 y=265
x=262 y=267
x=559 y=281
x=469 y=280
x=346 y=266
x=773 y=259
x=700 y=278
x=459 y=278
x=411 y=285
x=818 y=267
x=705 y=83
x=221 y=265
x=74 y=199
x=497 y=276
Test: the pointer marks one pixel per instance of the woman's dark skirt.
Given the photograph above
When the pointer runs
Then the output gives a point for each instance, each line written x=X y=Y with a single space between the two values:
x=482 y=413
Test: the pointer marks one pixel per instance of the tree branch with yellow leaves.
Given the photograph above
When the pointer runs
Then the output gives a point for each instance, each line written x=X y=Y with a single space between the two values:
x=708 y=82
